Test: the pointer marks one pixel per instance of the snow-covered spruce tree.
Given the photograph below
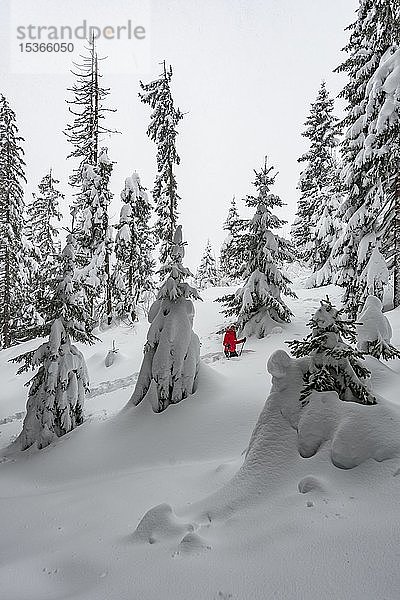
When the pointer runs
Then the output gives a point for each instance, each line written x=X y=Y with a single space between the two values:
x=334 y=365
x=12 y=276
x=172 y=353
x=258 y=306
x=325 y=232
x=207 y=274
x=42 y=252
x=374 y=31
x=316 y=225
x=134 y=243
x=374 y=332
x=380 y=155
x=57 y=391
x=96 y=239
x=162 y=130
x=232 y=256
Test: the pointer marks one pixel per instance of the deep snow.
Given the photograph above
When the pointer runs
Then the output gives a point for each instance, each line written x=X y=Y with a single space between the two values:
x=189 y=504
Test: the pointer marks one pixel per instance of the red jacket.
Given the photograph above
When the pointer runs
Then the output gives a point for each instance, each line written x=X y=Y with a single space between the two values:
x=230 y=340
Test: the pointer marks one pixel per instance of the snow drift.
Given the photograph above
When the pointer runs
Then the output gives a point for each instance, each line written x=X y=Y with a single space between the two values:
x=286 y=434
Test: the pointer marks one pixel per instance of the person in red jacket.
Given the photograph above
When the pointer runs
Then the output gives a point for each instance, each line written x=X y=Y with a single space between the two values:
x=230 y=342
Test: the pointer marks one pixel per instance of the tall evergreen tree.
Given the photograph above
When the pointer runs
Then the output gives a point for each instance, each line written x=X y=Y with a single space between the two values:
x=258 y=305
x=162 y=130
x=232 y=257
x=319 y=187
x=172 y=352
x=333 y=365
x=96 y=238
x=372 y=33
x=134 y=266
x=207 y=273
x=12 y=177
x=91 y=178
x=57 y=390
x=380 y=155
x=43 y=250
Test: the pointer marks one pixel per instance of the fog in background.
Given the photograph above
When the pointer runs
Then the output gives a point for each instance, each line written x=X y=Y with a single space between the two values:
x=245 y=73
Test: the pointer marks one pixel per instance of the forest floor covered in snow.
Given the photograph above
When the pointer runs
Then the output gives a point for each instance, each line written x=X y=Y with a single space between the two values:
x=137 y=505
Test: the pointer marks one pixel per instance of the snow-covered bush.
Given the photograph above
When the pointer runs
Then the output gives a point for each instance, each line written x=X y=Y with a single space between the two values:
x=57 y=391
x=333 y=364
x=172 y=353
x=374 y=332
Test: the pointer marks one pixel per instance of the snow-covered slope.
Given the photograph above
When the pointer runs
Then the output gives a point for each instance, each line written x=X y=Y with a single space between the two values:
x=214 y=524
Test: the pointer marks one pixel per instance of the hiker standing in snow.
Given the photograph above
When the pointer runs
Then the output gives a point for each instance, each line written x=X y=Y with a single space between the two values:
x=230 y=342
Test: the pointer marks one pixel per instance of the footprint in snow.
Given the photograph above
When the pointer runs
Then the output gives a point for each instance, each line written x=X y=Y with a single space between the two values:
x=191 y=545
x=310 y=484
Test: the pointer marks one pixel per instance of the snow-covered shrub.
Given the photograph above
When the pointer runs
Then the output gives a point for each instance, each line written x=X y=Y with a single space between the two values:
x=57 y=391
x=172 y=352
x=374 y=332
x=334 y=365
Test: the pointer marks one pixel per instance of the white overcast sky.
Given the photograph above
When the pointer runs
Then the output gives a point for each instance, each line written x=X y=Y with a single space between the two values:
x=245 y=72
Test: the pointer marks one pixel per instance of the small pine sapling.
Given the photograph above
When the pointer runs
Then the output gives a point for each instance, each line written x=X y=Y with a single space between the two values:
x=334 y=365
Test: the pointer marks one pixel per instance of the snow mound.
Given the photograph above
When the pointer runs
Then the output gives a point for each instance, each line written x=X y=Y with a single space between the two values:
x=354 y=432
x=286 y=434
x=160 y=523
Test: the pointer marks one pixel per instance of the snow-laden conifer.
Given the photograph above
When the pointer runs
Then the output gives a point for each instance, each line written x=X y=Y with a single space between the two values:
x=372 y=35
x=42 y=252
x=232 y=257
x=134 y=242
x=162 y=130
x=379 y=156
x=207 y=274
x=56 y=393
x=258 y=305
x=96 y=238
x=13 y=276
x=316 y=225
x=374 y=332
x=333 y=365
x=172 y=352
